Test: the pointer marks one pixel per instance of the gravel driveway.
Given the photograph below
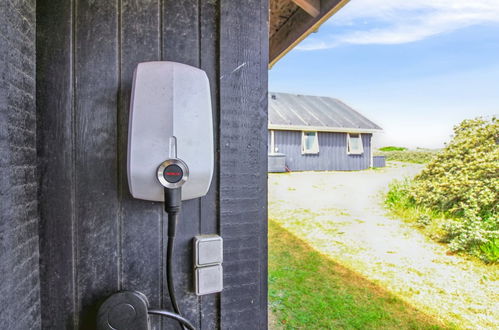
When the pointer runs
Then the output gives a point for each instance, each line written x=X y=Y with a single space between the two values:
x=341 y=215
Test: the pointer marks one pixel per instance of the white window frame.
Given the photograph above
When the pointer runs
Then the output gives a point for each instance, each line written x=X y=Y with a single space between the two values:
x=357 y=152
x=315 y=147
x=273 y=148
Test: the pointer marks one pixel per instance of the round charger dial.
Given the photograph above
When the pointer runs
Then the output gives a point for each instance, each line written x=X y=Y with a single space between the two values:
x=172 y=173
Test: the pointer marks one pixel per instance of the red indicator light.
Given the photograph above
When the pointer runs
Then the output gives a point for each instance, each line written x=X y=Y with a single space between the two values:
x=173 y=173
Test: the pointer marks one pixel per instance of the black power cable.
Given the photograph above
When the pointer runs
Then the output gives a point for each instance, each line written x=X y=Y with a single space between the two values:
x=183 y=321
x=169 y=270
x=172 y=174
x=173 y=201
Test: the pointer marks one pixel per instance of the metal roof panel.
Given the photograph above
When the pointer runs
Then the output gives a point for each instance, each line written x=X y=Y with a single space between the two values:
x=315 y=111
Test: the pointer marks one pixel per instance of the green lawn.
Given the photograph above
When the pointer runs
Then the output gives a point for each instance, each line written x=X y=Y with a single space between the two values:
x=309 y=291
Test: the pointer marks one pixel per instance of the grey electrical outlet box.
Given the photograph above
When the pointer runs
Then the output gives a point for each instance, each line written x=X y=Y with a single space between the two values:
x=208 y=279
x=208 y=250
x=208 y=258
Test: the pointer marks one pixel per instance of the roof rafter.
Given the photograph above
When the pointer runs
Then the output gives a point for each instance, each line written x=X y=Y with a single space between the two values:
x=312 y=7
x=299 y=25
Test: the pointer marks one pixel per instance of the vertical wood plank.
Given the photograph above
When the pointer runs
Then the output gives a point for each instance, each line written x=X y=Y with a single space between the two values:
x=97 y=240
x=209 y=37
x=181 y=44
x=263 y=168
x=243 y=162
x=142 y=261
x=19 y=239
x=55 y=162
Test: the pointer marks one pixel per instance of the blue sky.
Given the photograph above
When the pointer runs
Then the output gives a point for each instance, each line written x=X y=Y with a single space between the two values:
x=417 y=68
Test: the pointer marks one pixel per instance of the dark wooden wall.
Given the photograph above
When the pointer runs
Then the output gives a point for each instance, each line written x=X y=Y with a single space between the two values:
x=19 y=271
x=94 y=238
x=332 y=154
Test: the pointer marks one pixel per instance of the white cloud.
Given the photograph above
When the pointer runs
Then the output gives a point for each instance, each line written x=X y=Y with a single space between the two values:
x=401 y=21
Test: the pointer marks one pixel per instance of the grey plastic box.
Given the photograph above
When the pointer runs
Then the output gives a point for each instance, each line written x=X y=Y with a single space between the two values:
x=277 y=163
x=208 y=250
x=208 y=258
x=208 y=279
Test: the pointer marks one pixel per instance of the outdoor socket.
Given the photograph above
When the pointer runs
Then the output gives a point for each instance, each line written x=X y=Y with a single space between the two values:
x=208 y=258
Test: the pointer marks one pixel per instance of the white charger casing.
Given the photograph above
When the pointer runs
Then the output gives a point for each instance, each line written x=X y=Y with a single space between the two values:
x=169 y=99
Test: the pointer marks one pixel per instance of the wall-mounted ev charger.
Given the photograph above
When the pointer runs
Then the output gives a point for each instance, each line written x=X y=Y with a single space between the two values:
x=170 y=159
x=169 y=100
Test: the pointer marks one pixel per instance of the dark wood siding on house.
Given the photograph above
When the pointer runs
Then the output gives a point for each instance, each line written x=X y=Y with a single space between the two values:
x=19 y=252
x=332 y=152
x=96 y=239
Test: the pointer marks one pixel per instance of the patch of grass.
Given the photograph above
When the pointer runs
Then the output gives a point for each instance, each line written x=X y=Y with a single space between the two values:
x=418 y=156
x=307 y=290
x=392 y=148
x=335 y=211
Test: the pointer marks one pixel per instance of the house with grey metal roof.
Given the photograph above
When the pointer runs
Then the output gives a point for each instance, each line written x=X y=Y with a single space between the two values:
x=315 y=133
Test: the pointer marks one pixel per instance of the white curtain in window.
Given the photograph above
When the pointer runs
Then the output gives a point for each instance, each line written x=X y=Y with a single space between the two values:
x=355 y=144
x=310 y=143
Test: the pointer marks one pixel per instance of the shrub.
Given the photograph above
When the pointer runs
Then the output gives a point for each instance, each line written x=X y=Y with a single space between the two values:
x=464 y=176
x=461 y=182
x=424 y=220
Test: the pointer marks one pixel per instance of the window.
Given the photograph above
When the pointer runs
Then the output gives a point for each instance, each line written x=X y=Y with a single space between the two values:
x=309 y=143
x=354 y=144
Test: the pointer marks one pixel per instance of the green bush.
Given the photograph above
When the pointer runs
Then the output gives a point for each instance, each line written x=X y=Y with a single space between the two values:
x=461 y=182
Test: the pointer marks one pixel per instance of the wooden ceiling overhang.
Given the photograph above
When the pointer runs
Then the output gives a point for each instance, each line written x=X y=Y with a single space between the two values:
x=291 y=21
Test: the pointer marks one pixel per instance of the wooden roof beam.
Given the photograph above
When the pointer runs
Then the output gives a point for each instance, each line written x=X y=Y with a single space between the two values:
x=312 y=7
x=298 y=27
